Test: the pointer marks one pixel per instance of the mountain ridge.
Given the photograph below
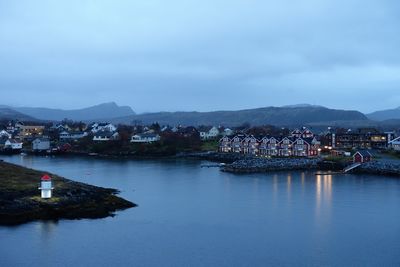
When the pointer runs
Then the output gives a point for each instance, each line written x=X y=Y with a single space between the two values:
x=268 y=115
x=10 y=114
x=107 y=110
x=386 y=114
x=289 y=115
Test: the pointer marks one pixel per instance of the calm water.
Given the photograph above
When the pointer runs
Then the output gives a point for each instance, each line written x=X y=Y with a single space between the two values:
x=192 y=216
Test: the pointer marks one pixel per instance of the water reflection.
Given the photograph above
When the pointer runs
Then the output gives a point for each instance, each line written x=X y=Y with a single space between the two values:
x=46 y=230
x=323 y=195
x=289 y=186
x=202 y=212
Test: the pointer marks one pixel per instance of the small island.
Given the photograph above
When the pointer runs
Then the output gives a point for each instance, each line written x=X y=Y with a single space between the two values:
x=20 y=199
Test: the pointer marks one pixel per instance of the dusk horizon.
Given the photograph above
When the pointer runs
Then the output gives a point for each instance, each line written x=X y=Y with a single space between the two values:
x=249 y=107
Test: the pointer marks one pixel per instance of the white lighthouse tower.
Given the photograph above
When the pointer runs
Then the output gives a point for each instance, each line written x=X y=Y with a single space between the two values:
x=46 y=186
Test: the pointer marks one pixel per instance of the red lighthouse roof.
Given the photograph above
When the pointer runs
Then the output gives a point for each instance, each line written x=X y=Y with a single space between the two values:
x=46 y=178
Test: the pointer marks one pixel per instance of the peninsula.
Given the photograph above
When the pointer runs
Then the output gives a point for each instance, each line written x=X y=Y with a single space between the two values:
x=20 y=199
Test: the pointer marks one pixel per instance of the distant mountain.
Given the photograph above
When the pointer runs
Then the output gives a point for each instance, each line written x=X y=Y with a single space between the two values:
x=302 y=106
x=280 y=116
x=10 y=114
x=104 y=111
x=383 y=115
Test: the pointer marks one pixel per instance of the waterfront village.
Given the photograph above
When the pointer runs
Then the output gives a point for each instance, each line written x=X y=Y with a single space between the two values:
x=242 y=149
x=155 y=140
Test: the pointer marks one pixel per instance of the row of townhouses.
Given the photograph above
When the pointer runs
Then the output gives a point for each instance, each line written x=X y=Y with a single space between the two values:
x=300 y=143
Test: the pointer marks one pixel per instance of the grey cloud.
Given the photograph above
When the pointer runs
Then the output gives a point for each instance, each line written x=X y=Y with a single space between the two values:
x=200 y=55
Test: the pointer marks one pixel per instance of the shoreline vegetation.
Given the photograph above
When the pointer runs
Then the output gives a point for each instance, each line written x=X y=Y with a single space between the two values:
x=20 y=200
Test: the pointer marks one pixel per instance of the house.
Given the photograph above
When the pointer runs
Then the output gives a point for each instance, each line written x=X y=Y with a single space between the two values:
x=207 y=133
x=263 y=146
x=300 y=147
x=285 y=147
x=395 y=144
x=10 y=127
x=306 y=147
x=27 y=131
x=225 y=144
x=236 y=143
x=365 y=138
x=145 y=138
x=250 y=145
x=188 y=132
x=315 y=146
x=362 y=156
x=97 y=127
x=40 y=144
x=13 y=145
x=65 y=135
x=228 y=132
x=270 y=146
x=5 y=133
x=105 y=136
x=303 y=133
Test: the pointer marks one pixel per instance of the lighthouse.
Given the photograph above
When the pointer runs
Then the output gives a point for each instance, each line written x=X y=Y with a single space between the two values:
x=46 y=186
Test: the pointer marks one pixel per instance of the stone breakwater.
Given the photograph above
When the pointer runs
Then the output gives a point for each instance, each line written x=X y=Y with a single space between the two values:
x=379 y=168
x=253 y=165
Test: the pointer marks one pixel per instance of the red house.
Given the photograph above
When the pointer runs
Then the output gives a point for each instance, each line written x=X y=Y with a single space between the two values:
x=362 y=156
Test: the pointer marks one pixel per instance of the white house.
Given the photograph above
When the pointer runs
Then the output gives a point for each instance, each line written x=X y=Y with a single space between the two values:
x=145 y=138
x=228 y=132
x=208 y=132
x=97 y=127
x=13 y=144
x=105 y=136
x=5 y=133
x=72 y=135
x=40 y=144
x=395 y=144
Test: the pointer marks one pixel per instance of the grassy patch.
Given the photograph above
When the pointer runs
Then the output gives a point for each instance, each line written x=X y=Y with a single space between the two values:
x=209 y=145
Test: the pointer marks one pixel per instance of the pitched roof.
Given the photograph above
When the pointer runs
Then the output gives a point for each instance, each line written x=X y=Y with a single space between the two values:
x=104 y=133
x=363 y=153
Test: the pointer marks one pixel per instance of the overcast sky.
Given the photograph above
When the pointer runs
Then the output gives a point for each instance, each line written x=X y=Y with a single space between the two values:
x=200 y=55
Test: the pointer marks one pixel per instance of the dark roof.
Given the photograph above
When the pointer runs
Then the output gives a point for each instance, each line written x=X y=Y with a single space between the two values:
x=104 y=133
x=41 y=139
x=204 y=128
x=144 y=135
x=364 y=153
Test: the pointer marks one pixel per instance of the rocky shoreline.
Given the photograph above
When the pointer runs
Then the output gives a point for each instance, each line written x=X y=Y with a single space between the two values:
x=20 y=200
x=379 y=168
x=253 y=165
x=259 y=165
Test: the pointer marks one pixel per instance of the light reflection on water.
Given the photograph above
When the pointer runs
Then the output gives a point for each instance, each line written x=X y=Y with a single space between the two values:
x=192 y=216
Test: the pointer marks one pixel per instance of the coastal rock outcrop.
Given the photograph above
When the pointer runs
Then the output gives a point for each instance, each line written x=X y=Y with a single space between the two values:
x=20 y=199
x=250 y=165
x=379 y=168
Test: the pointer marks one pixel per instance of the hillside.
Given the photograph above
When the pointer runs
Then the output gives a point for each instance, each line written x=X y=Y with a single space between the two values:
x=382 y=115
x=10 y=114
x=103 y=111
x=280 y=116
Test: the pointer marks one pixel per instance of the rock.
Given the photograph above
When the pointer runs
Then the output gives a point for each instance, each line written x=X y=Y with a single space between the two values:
x=273 y=164
x=20 y=201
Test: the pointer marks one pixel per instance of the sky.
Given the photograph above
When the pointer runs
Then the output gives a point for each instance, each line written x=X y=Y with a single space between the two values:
x=157 y=55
